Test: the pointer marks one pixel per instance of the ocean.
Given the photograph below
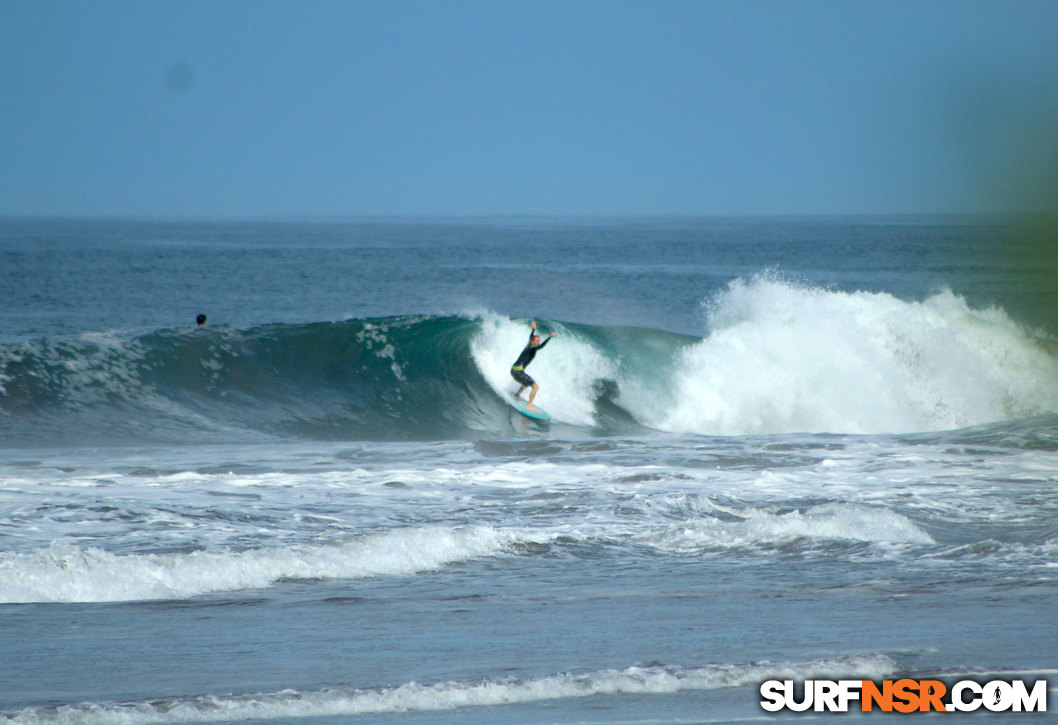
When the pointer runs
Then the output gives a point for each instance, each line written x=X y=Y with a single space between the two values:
x=781 y=448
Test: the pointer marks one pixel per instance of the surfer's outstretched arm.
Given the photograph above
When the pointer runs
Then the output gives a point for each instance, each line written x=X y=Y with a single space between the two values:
x=541 y=345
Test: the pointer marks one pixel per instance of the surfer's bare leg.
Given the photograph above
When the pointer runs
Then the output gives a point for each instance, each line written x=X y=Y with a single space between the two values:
x=532 y=395
x=519 y=393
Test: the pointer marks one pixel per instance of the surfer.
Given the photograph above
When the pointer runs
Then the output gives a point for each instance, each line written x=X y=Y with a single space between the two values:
x=518 y=369
x=201 y=320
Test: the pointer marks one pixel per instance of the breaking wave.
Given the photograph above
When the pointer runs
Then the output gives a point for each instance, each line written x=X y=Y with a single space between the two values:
x=64 y=573
x=442 y=696
x=779 y=357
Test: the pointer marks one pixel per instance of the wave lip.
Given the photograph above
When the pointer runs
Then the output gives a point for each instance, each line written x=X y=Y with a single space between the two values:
x=414 y=697
x=63 y=573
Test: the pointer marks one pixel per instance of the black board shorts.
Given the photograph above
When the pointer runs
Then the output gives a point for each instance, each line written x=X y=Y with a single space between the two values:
x=522 y=377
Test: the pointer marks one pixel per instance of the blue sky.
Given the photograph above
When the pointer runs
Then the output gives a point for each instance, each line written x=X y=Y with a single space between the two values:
x=400 y=108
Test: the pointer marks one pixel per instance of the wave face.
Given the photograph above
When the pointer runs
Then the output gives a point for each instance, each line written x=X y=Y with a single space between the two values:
x=394 y=378
x=779 y=357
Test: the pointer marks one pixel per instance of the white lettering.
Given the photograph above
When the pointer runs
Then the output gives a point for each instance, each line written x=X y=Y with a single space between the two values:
x=826 y=693
x=1025 y=701
x=791 y=697
x=850 y=690
x=997 y=696
x=905 y=695
x=833 y=696
x=774 y=695
x=960 y=703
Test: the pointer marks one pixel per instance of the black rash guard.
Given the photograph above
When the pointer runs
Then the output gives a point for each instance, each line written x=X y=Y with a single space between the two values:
x=529 y=352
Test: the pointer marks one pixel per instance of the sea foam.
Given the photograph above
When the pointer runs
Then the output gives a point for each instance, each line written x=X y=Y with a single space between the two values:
x=64 y=573
x=817 y=525
x=783 y=357
x=415 y=697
